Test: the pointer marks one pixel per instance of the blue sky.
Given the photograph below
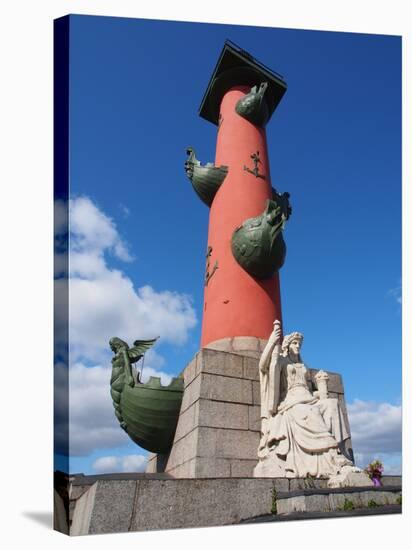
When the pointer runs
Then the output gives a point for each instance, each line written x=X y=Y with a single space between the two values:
x=334 y=145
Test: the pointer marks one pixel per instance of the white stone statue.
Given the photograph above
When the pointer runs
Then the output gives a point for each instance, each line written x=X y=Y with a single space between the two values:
x=301 y=432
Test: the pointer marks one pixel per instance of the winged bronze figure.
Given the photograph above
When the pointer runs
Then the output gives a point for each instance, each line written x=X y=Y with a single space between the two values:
x=147 y=412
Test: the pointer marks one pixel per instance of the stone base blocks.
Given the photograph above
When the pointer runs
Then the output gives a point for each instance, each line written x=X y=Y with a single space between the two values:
x=218 y=430
x=115 y=503
x=140 y=505
x=331 y=500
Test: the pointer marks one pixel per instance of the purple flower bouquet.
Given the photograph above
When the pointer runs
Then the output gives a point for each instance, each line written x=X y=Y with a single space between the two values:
x=374 y=471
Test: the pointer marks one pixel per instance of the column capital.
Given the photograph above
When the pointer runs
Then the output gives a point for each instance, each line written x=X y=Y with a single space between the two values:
x=235 y=67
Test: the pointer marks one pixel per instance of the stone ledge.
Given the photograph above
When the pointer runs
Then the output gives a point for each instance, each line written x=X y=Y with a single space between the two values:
x=329 y=500
x=295 y=484
x=380 y=510
x=395 y=481
x=336 y=491
x=82 y=480
x=141 y=503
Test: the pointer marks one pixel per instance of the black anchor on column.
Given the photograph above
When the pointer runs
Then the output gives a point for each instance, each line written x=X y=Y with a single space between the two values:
x=256 y=161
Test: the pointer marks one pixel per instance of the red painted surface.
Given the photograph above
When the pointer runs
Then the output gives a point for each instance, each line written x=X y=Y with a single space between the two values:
x=236 y=304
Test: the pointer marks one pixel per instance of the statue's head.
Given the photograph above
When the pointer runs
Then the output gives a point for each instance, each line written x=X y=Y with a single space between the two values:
x=292 y=344
x=116 y=343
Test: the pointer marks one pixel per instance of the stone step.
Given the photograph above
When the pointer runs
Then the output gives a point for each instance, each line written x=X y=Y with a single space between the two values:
x=379 y=510
x=342 y=499
x=114 y=503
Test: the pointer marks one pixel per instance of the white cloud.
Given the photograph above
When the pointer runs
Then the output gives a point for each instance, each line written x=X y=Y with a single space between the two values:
x=109 y=305
x=92 y=423
x=149 y=371
x=392 y=462
x=92 y=232
x=112 y=464
x=134 y=463
x=376 y=433
x=105 y=303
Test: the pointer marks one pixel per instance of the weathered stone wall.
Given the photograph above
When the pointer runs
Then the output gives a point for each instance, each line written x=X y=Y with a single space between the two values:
x=139 y=502
x=114 y=506
x=218 y=430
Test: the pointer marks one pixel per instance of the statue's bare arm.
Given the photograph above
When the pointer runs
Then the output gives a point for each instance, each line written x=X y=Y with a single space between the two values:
x=274 y=341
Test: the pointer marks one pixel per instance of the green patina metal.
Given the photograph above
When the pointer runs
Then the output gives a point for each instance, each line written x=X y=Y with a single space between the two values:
x=255 y=171
x=151 y=412
x=206 y=179
x=253 y=106
x=258 y=244
x=236 y=67
x=147 y=412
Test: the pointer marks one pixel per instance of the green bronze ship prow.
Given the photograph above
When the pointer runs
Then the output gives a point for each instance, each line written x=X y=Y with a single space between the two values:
x=257 y=244
x=147 y=412
x=151 y=411
x=206 y=179
x=253 y=106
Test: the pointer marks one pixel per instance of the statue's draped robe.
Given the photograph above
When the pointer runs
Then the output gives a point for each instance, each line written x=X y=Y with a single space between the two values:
x=301 y=433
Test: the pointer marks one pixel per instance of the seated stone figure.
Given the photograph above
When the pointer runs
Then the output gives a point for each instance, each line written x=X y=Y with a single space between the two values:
x=302 y=433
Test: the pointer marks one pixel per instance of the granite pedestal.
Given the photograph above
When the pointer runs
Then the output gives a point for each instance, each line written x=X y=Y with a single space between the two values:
x=139 y=502
x=218 y=430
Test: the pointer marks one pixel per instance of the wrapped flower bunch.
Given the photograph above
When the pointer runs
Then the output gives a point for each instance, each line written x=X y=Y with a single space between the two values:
x=374 y=471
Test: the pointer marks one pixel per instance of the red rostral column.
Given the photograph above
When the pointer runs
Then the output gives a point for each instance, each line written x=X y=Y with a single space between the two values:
x=235 y=302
